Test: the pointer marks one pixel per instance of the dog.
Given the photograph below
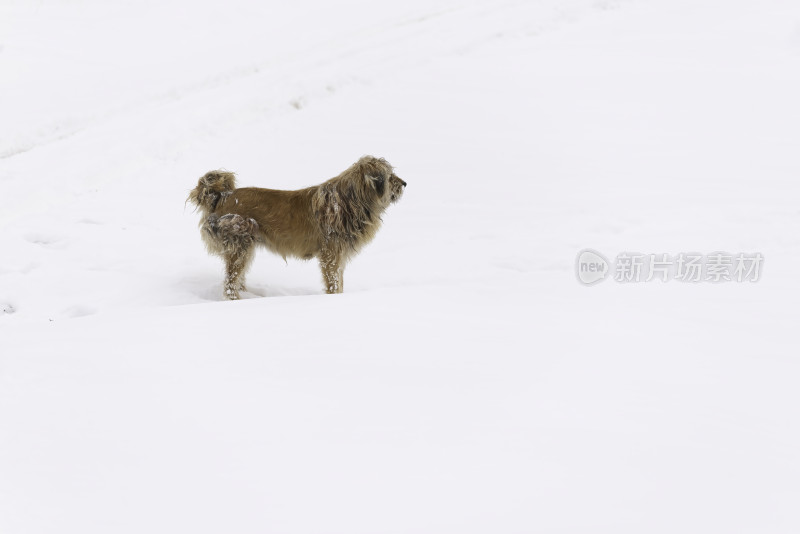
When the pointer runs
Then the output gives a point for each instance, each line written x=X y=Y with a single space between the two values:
x=331 y=221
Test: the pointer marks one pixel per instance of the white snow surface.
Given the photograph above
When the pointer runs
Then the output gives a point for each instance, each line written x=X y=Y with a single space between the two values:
x=465 y=381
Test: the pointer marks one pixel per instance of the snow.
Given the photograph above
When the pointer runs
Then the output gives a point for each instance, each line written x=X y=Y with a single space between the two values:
x=465 y=381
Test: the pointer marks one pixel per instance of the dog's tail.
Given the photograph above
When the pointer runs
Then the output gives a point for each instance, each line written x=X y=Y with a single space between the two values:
x=210 y=188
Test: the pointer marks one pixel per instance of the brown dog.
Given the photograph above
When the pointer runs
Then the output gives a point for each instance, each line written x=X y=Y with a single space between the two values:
x=330 y=221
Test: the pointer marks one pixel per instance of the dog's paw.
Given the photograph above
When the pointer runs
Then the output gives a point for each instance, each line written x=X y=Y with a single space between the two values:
x=232 y=294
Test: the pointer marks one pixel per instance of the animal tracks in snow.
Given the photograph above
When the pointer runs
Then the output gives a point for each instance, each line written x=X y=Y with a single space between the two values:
x=45 y=240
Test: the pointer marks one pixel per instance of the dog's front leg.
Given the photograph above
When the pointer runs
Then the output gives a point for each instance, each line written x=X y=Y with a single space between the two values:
x=332 y=270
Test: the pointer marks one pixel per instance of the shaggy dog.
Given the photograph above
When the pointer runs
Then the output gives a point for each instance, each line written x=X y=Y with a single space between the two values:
x=330 y=221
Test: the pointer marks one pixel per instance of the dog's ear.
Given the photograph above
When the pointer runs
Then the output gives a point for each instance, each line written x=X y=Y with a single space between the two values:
x=378 y=182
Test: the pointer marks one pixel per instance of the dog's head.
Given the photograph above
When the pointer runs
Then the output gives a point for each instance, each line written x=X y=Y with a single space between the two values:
x=380 y=177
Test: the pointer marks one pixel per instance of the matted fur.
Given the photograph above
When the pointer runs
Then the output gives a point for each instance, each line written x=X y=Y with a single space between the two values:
x=330 y=221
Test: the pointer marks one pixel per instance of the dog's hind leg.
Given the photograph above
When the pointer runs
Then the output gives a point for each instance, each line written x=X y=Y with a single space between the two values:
x=236 y=265
x=234 y=238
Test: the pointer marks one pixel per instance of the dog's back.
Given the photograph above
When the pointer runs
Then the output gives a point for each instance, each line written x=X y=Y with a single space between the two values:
x=285 y=221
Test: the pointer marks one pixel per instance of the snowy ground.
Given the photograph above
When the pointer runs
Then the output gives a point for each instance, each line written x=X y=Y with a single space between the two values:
x=465 y=381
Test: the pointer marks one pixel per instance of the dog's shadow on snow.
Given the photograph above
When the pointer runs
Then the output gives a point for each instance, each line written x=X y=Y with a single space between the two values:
x=255 y=291
x=209 y=289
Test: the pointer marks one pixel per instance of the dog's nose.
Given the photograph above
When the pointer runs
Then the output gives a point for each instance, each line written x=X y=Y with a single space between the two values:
x=404 y=183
